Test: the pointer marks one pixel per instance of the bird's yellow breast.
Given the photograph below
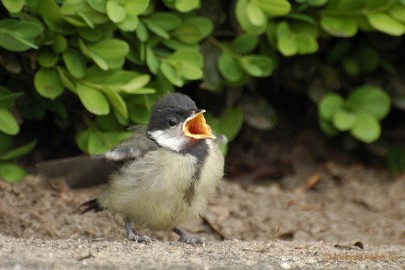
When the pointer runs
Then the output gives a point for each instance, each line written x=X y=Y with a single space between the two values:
x=153 y=190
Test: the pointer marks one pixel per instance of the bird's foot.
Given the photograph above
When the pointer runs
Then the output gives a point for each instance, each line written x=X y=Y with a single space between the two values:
x=189 y=239
x=138 y=238
x=193 y=240
x=132 y=236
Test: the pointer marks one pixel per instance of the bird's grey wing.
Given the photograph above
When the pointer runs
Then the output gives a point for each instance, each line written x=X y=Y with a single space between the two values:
x=85 y=171
x=131 y=148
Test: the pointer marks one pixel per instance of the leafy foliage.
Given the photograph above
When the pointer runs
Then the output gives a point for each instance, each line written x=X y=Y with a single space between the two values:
x=359 y=114
x=98 y=66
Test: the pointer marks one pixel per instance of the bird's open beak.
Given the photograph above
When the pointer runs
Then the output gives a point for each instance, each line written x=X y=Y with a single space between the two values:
x=196 y=127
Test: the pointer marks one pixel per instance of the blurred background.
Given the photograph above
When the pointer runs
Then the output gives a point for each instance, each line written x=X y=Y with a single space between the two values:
x=310 y=93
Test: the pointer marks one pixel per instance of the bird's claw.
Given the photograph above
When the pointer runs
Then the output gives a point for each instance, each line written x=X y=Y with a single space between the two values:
x=139 y=239
x=193 y=240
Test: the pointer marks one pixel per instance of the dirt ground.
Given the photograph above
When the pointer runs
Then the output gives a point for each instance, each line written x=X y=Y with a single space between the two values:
x=295 y=208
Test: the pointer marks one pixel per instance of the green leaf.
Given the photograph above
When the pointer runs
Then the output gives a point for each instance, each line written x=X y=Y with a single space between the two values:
x=155 y=28
x=95 y=144
x=19 y=35
x=244 y=19
x=187 y=55
x=339 y=27
x=110 y=48
x=244 y=43
x=139 y=112
x=194 y=29
x=48 y=84
x=89 y=34
x=172 y=74
x=107 y=54
x=51 y=13
x=257 y=65
x=98 y=5
x=275 y=7
x=183 y=64
x=81 y=14
x=135 y=84
x=117 y=102
x=346 y=5
x=229 y=67
x=136 y=7
x=115 y=11
x=186 y=5
x=306 y=43
x=13 y=6
x=228 y=124
x=11 y=172
x=59 y=44
x=145 y=91
x=19 y=151
x=255 y=15
x=286 y=39
x=10 y=43
x=142 y=32
x=107 y=122
x=164 y=20
x=329 y=105
x=129 y=24
x=397 y=11
x=113 y=80
x=82 y=140
x=189 y=71
x=74 y=62
x=317 y=3
x=48 y=59
x=370 y=99
x=65 y=79
x=8 y=123
x=151 y=60
x=25 y=29
x=386 y=24
x=367 y=128
x=188 y=33
x=93 y=100
x=344 y=120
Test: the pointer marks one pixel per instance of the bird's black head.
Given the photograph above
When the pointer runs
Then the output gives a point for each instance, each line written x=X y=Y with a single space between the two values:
x=176 y=123
x=171 y=110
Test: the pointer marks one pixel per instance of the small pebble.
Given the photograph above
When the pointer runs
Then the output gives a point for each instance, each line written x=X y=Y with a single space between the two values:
x=285 y=265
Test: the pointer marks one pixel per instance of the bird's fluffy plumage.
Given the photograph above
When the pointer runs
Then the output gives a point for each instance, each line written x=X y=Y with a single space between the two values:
x=161 y=177
x=161 y=190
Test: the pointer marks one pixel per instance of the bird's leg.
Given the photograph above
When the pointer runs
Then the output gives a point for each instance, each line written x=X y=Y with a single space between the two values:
x=186 y=238
x=132 y=236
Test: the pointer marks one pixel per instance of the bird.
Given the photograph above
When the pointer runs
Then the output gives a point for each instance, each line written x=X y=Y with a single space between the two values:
x=161 y=177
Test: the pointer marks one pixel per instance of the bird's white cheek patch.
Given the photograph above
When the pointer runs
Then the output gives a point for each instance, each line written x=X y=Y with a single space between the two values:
x=167 y=140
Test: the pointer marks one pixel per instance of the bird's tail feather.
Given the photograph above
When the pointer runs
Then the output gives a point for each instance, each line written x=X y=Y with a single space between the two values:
x=81 y=171
x=90 y=205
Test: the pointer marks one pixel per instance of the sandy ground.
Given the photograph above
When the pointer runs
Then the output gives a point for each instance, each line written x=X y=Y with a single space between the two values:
x=266 y=227
x=85 y=254
x=290 y=212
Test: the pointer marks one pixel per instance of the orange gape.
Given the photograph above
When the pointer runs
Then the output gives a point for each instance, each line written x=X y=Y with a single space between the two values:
x=196 y=127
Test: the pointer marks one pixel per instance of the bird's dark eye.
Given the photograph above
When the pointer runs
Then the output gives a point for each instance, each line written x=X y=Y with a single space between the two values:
x=172 y=122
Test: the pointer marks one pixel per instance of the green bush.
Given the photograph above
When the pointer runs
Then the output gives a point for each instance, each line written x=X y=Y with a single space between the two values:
x=360 y=113
x=99 y=65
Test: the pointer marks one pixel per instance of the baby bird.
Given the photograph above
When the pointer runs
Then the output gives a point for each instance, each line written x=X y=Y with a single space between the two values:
x=161 y=177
